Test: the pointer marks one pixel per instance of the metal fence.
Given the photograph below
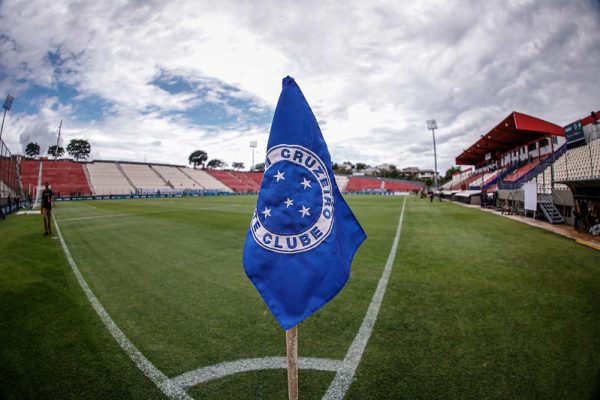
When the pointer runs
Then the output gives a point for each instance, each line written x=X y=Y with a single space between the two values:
x=9 y=182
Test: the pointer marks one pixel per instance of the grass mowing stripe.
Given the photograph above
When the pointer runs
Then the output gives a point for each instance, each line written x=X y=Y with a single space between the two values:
x=201 y=375
x=145 y=213
x=159 y=379
x=343 y=378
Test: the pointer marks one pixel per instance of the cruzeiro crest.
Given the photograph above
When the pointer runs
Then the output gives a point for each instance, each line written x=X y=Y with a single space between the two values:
x=294 y=211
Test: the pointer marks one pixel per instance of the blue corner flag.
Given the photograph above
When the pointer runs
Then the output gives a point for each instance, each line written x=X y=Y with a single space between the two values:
x=303 y=235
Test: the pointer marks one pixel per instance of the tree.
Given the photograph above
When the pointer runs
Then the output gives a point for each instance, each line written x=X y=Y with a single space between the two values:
x=390 y=172
x=360 y=166
x=198 y=157
x=428 y=182
x=259 y=167
x=32 y=149
x=335 y=166
x=79 y=149
x=216 y=163
x=52 y=151
x=237 y=165
x=451 y=172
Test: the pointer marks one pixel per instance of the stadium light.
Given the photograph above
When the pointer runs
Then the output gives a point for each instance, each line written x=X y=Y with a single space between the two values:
x=7 y=106
x=253 y=144
x=432 y=126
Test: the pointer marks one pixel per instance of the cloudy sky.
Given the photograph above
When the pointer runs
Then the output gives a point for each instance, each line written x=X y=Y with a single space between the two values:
x=156 y=80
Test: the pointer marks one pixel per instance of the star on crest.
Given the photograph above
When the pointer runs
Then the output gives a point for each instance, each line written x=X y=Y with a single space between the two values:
x=289 y=202
x=279 y=176
x=305 y=183
x=267 y=212
x=304 y=211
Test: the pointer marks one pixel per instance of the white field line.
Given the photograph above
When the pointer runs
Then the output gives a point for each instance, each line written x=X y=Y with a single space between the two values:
x=145 y=213
x=345 y=374
x=201 y=375
x=167 y=386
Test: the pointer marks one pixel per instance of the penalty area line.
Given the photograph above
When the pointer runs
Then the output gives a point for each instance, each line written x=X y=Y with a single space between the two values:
x=166 y=385
x=345 y=374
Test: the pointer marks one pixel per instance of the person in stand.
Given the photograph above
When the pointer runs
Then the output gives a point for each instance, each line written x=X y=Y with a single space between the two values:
x=594 y=214
x=47 y=201
x=577 y=215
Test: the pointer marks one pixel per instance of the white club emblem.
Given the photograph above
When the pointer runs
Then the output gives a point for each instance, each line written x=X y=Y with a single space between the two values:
x=295 y=206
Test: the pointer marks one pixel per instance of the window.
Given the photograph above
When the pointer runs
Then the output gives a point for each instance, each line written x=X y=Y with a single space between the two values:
x=532 y=147
x=543 y=142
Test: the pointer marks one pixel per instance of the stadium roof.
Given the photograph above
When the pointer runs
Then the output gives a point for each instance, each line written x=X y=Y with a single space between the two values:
x=515 y=130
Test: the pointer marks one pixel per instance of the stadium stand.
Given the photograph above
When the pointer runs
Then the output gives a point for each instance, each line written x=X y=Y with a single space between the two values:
x=400 y=187
x=235 y=181
x=360 y=185
x=106 y=178
x=521 y=171
x=579 y=163
x=9 y=177
x=472 y=179
x=66 y=177
x=178 y=179
x=342 y=182
x=144 y=178
x=29 y=171
x=255 y=176
x=206 y=180
x=457 y=178
x=564 y=163
x=357 y=184
x=249 y=179
x=490 y=178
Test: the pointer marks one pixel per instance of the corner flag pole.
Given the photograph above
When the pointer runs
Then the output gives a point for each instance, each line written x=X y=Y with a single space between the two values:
x=291 y=344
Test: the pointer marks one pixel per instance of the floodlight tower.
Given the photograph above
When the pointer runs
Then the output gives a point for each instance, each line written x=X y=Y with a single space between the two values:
x=57 y=141
x=7 y=106
x=253 y=144
x=432 y=126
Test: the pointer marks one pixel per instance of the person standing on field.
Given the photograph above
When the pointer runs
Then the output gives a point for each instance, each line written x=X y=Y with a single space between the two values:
x=47 y=200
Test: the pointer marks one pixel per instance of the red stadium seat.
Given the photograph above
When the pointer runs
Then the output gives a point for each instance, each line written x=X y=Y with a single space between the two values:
x=66 y=178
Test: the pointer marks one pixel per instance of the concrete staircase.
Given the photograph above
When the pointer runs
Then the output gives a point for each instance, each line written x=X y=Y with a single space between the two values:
x=89 y=180
x=166 y=181
x=120 y=168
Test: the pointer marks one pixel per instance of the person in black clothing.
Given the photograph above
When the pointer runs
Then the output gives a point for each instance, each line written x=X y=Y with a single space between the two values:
x=47 y=200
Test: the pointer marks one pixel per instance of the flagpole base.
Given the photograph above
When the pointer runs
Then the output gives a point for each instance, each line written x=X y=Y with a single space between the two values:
x=291 y=344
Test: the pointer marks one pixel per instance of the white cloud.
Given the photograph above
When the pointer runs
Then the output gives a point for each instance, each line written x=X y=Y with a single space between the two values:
x=373 y=72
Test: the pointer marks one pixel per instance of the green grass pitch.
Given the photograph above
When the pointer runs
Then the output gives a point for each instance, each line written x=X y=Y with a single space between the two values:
x=477 y=306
